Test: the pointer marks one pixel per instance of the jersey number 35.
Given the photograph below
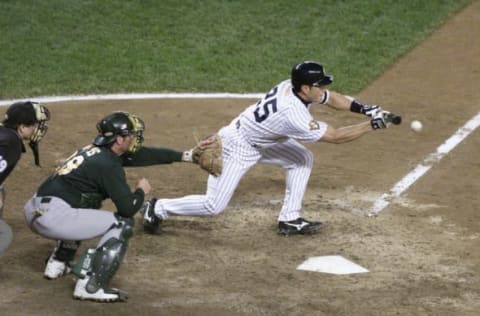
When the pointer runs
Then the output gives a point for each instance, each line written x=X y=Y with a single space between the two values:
x=266 y=106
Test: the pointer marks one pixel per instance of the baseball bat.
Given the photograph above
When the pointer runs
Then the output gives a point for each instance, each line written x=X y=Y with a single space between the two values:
x=394 y=118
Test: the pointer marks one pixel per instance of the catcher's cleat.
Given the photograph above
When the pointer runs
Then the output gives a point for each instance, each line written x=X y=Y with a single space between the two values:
x=101 y=295
x=55 y=268
x=151 y=223
x=298 y=226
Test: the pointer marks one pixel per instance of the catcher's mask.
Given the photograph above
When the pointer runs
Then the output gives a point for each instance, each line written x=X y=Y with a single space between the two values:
x=309 y=73
x=29 y=113
x=120 y=123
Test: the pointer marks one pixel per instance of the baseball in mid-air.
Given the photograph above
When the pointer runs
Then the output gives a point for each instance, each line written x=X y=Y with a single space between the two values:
x=416 y=126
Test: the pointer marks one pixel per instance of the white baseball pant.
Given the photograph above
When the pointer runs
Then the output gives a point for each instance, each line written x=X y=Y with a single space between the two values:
x=238 y=158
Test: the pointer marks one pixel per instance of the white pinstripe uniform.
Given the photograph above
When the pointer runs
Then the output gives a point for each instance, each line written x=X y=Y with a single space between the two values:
x=270 y=132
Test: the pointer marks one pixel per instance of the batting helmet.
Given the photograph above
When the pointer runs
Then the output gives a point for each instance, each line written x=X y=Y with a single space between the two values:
x=309 y=73
x=120 y=123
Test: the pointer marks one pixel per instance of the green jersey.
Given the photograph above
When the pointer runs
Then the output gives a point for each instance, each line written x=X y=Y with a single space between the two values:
x=93 y=174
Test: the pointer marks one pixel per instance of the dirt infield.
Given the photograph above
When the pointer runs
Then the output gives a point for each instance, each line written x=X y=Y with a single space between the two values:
x=422 y=251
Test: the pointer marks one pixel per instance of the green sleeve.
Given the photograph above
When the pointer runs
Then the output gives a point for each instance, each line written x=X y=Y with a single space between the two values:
x=117 y=188
x=128 y=205
x=147 y=156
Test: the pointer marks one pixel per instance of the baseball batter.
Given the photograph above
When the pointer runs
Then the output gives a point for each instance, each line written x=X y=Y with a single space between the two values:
x=66 y=206
x=271 y=132
x=23 y=121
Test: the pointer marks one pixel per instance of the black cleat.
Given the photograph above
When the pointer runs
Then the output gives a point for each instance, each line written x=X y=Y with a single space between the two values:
x=298 y=226
x=151 y=223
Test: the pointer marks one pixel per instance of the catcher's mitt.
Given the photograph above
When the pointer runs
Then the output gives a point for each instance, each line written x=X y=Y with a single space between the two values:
x=208 y=154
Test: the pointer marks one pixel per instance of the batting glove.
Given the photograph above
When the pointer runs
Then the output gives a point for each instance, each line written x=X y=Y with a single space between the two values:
x=379 y=120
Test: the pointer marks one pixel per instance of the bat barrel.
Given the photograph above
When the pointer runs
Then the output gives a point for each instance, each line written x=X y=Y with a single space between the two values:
x=395 y=119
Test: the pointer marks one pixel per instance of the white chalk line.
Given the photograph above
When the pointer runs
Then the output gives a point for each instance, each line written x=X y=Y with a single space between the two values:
x=383 y=201
x=137 y=96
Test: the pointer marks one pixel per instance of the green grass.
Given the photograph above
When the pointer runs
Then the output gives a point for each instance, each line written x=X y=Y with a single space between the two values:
x=56 y=47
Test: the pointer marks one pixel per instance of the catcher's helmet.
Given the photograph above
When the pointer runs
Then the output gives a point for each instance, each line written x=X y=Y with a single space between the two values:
x=309 y=73
x=119 y=123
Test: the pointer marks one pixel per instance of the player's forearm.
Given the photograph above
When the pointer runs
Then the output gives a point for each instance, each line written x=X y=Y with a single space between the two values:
x=339 y=101
x=346 y=134
x=147 y=156
x=347 y=103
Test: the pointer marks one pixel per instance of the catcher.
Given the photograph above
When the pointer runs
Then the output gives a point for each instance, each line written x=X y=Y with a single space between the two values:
x=67 y=205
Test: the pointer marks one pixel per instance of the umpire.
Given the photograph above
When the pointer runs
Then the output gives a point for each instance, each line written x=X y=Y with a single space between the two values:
x=67 y=205
x=24 y=121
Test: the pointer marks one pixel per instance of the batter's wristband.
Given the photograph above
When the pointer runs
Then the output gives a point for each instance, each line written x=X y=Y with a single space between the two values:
x=357 y=107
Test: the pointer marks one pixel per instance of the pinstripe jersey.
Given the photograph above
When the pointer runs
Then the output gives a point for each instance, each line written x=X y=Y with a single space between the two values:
x=268 y=132
x=278 y=116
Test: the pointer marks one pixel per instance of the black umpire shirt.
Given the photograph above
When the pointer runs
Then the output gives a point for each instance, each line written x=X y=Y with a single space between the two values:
x=11 y=148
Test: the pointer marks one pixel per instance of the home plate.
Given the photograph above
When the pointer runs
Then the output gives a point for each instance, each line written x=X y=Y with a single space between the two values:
x=331 y=264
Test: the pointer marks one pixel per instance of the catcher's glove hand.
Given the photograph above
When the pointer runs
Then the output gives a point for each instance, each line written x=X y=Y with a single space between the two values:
x=208 y=154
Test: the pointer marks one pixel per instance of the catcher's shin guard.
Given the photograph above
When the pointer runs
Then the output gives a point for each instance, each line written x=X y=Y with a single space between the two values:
x=84 y=263
x=106 y=262
x=98 y=268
